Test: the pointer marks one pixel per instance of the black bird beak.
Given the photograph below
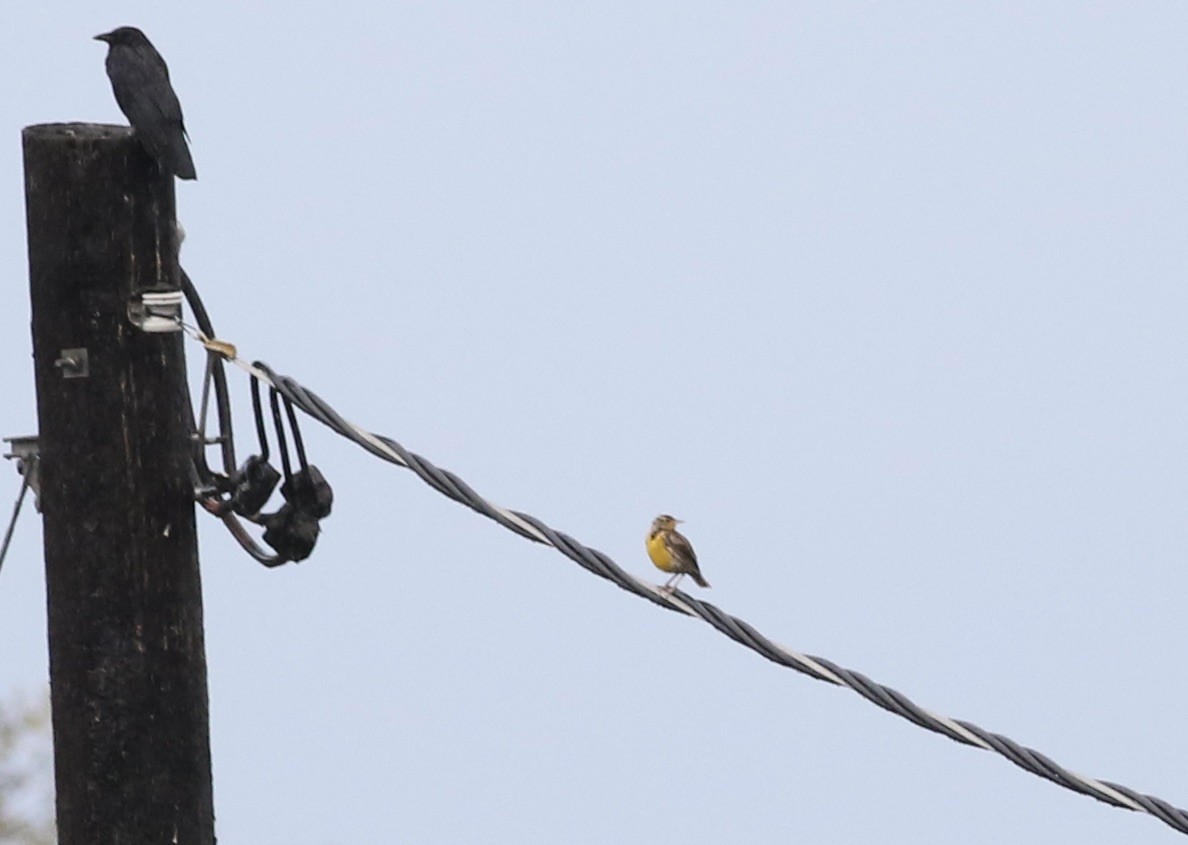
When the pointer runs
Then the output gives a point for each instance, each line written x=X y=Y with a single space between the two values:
x=104 y=37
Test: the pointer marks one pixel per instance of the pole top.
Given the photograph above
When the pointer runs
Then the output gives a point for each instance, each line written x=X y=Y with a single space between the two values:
x=75 y=131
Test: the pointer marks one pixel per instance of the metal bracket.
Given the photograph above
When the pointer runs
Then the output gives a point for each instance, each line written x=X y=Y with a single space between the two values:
x=74 y=363
x=27 y=455
x=157 y=312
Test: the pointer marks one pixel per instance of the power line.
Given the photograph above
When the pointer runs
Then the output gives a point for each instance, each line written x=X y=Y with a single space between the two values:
x=820 y=668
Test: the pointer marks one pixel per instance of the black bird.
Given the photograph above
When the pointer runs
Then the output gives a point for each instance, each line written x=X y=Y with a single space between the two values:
x=140 y=80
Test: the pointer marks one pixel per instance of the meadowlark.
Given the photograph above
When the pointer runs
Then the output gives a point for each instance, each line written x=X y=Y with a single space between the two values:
x=672 y=552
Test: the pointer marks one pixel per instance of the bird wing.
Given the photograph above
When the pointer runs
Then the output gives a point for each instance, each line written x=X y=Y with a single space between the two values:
x=140 y=80
x=681 y=549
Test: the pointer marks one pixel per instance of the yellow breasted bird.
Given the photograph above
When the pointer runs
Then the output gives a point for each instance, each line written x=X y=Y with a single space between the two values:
x=671 y=552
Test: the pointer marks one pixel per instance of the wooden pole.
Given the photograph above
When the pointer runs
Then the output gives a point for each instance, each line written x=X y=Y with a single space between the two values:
x=127 y=658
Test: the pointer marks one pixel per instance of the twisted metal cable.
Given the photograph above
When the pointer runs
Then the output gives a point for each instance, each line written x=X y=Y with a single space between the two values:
x=600 y=564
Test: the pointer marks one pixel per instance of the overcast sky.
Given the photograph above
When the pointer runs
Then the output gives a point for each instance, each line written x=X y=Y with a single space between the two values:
x=886 y=300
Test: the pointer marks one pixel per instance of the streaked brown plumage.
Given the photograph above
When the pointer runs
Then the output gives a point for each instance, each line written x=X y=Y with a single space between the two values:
x=672 y=552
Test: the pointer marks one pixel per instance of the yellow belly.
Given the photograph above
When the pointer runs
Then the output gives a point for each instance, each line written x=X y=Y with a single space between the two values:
x=658 y=552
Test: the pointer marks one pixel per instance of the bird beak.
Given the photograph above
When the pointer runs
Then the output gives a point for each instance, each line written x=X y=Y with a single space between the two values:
x=104 y=37
x=678 y=521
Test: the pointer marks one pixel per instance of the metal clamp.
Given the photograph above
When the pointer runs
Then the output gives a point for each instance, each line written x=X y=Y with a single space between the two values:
x=157 y=312
x=27 y=455
x=24 y=450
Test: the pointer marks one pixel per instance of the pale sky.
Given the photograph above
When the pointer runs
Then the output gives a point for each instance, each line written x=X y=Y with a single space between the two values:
x=886 y=300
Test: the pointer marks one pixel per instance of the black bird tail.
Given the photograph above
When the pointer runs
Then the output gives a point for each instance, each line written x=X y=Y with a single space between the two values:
x=178 y=159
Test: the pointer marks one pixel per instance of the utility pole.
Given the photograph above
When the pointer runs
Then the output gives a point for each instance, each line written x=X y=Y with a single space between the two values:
x=127 y=657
